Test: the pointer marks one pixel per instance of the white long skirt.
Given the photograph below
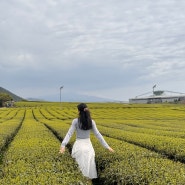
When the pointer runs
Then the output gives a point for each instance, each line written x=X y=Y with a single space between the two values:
x=84 y=154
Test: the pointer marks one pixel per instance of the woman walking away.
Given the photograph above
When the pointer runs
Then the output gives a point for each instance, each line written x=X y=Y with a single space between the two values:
x=82 y=150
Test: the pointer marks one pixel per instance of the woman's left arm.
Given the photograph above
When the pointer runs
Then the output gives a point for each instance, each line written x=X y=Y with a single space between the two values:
x=67 y=137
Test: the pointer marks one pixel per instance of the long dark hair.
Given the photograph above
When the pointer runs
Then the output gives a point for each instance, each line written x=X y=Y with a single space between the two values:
x=84 y=119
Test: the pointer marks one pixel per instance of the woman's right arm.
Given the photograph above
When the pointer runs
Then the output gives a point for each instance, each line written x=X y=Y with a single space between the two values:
x=100 y=137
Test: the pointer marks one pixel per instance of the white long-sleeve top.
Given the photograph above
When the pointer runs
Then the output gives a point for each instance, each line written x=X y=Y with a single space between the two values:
x=83 y=134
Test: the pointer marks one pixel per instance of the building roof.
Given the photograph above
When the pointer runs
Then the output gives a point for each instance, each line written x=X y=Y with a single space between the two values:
x=161 y=94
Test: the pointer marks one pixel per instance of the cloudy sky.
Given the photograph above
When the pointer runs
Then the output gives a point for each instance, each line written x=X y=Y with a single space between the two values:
x=115 y=49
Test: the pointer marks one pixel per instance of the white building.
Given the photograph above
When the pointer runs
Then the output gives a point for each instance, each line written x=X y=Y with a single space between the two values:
x=159 y=97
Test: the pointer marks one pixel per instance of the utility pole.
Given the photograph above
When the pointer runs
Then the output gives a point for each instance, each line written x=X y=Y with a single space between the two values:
x=153 y=88
x=60 y=96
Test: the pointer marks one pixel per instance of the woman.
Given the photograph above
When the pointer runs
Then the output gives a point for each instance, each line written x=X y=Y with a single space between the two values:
x=82 y=150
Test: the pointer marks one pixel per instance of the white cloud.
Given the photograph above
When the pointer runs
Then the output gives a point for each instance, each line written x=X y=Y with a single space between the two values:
x=121 y=43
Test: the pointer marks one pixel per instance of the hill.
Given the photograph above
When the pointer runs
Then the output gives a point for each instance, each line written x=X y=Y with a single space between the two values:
x=15 y=97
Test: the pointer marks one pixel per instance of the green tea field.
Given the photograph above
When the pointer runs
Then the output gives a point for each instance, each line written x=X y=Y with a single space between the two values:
x=148 y=139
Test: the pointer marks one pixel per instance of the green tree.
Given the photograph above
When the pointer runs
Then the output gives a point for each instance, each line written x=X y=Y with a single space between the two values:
x=4 y=98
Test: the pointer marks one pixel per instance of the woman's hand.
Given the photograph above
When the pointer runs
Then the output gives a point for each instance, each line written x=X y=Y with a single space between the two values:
x=110 y=149
x=62 y=150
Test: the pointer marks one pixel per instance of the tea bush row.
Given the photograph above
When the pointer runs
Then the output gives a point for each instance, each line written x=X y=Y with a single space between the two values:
x=33 y=158
x=129 y=164
x=172 y=147
x=9 y=127
x=164 y=140
x=7 y=114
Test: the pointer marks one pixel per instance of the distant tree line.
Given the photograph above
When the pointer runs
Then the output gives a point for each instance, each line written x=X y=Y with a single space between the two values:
x=5 y=100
